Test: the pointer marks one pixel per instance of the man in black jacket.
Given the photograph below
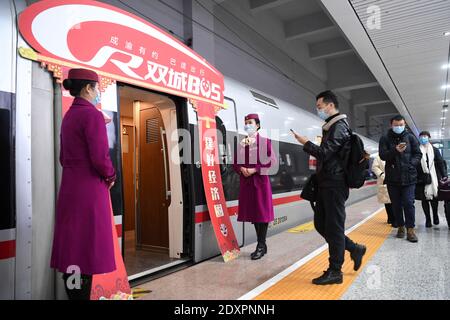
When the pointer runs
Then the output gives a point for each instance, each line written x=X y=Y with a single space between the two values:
x=400 y=149
x=333 y=191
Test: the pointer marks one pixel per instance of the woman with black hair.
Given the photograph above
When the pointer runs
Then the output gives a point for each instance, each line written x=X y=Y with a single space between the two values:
x=83 y=240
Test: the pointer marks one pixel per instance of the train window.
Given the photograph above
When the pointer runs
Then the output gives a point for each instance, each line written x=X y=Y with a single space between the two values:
x=230 y=180
x=6 y=212
x=293 y=169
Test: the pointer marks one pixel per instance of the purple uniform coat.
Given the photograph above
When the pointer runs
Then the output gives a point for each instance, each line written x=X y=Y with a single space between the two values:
x=255 y=193
x=83 y=224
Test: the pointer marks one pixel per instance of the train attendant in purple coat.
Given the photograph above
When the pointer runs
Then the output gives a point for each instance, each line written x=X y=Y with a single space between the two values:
x=83 y=241
x=253 y=161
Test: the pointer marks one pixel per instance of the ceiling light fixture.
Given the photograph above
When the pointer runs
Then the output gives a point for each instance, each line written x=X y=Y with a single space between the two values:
x=447 y=33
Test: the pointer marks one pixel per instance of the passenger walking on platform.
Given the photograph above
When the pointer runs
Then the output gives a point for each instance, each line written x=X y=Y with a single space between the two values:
x=252 y=162
x=333 y=190
x=82 y=237
x=446 y=202
x=429 y=171
x=378 y=168
x=400 y=149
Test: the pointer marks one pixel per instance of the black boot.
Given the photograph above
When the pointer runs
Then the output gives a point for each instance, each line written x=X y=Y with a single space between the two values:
x=256 y=250
x=426 y=211
x=261 y=250
x=356 y=255
x=329 y=277
x=257 y=236
x=435 y=219
x=434 y=207
x=428 y=220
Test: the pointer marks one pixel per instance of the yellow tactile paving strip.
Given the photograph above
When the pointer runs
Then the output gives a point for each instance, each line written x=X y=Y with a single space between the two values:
x=298 y=286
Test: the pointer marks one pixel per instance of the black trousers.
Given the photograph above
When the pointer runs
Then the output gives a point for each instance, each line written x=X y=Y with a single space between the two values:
x=329 y=221
x=447 y=212
x=426 y=208
x=402 y=198
x=390 y=213
x=83 y=292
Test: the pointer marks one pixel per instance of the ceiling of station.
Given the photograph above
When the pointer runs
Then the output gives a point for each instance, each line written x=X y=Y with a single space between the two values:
x=307 y=23
x=412 y=45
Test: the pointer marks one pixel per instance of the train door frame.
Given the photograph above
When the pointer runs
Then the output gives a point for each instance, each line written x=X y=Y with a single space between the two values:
x=187 y=180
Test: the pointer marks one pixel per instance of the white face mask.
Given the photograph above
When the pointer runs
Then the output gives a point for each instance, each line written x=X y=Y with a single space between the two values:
x=98 y=98
x=250 y=129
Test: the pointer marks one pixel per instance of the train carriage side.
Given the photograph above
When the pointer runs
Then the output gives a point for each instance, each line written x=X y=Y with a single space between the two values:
x=277 y=118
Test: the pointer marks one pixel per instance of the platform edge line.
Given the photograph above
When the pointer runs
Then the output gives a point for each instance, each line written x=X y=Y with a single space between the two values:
x=277 y=278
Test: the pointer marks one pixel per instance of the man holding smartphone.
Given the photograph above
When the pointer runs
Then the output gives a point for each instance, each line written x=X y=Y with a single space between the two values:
x=400 y=149
x=333 y=190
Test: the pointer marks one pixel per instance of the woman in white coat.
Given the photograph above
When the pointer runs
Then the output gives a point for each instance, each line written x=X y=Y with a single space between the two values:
x=430 y=170
x=383 y=195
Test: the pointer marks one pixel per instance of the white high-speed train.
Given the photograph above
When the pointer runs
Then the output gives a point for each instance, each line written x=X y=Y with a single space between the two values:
x=159 y=205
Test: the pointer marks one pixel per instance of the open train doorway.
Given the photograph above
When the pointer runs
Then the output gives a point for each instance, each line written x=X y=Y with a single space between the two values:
x=153 y=224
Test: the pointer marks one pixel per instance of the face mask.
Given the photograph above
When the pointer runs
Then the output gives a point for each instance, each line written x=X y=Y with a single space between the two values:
x=398 y=129
x=322 y=114
x=97 y=99
x=250 y=129
x=423 y=140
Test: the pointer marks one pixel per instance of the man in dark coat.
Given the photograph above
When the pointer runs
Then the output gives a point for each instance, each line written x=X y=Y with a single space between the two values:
x=400 y=149
x=333 y=191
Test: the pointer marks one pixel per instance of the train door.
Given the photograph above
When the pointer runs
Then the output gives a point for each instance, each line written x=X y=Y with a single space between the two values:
x=153 y=181
x=154 y=233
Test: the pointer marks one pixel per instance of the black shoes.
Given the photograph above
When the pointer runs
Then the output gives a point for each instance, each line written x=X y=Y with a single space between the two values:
x=357 y=255
x=335 y=277
x=329 y=277
x=260 y=251
x=428 y=224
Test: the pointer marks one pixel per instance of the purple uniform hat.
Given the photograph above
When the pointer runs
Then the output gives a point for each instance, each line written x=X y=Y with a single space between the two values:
x=252 y=116
x=83 y=74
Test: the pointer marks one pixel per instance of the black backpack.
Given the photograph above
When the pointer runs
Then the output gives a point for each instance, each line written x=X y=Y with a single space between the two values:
x=356 y=162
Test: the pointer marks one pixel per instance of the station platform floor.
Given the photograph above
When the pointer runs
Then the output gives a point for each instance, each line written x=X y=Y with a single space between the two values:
x=392 y=268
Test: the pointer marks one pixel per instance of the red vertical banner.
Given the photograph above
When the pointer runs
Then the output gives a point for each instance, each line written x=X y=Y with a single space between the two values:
x=212 y=182
x=113 y=285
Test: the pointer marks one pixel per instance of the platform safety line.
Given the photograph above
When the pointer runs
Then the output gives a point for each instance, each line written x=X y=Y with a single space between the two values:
x=269 y=283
